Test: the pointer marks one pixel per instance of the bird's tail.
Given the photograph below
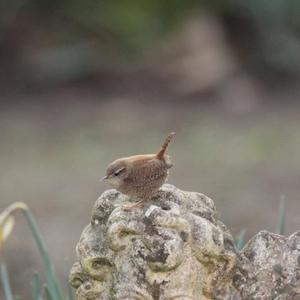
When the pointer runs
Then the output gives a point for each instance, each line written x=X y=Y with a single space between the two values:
x=162 y=151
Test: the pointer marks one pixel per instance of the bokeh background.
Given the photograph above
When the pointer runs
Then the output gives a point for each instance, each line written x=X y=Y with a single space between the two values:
x=85 y=82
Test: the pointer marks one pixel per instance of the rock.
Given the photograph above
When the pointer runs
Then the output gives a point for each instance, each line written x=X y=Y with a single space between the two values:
x=172 y=248
x=269 y=267
x=175 y=248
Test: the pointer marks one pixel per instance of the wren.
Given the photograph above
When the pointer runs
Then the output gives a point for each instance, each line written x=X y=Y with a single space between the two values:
x=140 y=176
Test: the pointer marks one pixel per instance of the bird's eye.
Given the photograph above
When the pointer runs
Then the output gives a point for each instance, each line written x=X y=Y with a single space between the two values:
x=118 y=172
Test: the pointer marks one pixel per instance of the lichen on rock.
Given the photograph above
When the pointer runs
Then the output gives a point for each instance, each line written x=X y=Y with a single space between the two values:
x=172 y=248
x=269 y=267
x=175 y=248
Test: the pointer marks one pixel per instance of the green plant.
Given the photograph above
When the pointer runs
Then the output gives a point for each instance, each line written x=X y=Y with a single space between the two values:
x=240 y=240
x=5 y=281
x=52 y=289
x=281 y=222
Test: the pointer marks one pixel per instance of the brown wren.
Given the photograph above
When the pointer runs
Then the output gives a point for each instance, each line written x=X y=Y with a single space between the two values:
x=140 y=176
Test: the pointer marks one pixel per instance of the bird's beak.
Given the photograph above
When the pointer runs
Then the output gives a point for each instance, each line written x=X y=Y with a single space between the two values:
x=104 y=178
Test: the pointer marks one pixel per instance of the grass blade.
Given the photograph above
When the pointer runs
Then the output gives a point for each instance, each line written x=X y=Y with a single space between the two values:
x=53 y=288
x=48 y=294
x=281 y=222
x=37 y=287
x=5 y=281
x=70 y=292
x=240 y=240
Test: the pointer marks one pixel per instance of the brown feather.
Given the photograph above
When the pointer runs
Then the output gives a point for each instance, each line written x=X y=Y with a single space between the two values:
x=160 y=155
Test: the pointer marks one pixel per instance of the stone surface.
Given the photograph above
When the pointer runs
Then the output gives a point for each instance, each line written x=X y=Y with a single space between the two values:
x=269 y=267
x=175 y=248
x=172 y=248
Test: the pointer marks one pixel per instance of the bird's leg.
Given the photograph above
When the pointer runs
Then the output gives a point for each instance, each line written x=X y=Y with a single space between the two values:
x=129 y=207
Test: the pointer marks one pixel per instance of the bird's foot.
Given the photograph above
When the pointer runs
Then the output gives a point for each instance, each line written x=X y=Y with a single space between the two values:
x=129 y=207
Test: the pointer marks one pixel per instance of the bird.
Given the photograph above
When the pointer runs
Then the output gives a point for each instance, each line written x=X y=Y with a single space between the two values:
x=140 y=176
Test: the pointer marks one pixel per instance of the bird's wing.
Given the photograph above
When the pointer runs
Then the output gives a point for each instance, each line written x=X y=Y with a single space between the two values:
x=145 y=172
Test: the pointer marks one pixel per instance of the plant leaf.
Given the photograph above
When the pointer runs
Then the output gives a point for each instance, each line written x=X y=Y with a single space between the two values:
x=240 y=240
x=37 y=287
x=6 y=228
x=282 y=212
x=5 y=281
x=48 y=294
x=53 y=288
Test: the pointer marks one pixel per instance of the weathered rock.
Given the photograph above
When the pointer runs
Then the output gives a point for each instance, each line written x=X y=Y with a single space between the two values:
x=269 y=267
x=173 y=248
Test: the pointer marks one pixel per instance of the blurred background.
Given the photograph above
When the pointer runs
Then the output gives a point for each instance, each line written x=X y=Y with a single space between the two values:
x=85 y=82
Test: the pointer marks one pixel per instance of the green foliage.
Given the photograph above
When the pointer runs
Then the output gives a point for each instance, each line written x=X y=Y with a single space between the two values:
x=266 y=31
x=269 y=30
x=5 y=282
x=52 y=289
x=281 y=222
x=128 y=26
x=52 y=281
x=240 y=240
x=48 y=294
x=37 y=287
